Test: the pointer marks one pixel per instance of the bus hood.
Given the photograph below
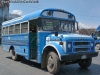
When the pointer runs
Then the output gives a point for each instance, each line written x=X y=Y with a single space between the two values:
x=71 y=36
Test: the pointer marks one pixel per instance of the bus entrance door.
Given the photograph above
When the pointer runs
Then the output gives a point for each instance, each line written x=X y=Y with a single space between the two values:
x=33 y=47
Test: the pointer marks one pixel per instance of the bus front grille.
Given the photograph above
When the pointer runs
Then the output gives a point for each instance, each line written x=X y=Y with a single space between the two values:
x=80 y=43
x=81 y=49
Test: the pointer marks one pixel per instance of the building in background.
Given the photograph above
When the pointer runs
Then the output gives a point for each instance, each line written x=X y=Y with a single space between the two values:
x=4 y=14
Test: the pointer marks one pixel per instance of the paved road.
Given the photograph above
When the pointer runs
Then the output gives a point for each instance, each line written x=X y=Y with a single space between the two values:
x=10 y=67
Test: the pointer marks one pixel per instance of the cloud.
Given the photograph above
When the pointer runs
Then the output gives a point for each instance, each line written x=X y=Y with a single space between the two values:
x=18 y=12
x=82 y=25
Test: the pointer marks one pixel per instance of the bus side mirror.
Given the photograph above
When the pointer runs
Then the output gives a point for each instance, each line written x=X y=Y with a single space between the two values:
x=92 y=34
x=76 y=27
x=56 y=29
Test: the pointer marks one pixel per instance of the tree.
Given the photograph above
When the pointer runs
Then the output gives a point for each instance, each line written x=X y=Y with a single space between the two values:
x=86 y=31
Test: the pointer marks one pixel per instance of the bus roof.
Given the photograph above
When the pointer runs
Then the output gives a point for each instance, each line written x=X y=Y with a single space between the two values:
x=30 y=16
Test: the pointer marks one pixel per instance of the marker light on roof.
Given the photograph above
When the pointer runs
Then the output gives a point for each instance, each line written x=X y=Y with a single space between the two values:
x=61 y=10
x=49 y=13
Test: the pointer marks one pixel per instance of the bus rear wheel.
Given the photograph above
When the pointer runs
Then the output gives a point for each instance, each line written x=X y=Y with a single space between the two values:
x=53 y=63
x=84 y=63
x=15 y=57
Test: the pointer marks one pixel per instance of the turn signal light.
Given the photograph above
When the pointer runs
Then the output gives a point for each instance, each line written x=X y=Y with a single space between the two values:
x=61 y=43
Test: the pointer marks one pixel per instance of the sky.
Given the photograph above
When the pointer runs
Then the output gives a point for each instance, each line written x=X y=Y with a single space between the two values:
x=87 y=12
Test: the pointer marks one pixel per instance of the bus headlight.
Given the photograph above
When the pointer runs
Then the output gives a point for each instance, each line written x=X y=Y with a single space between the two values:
x=91 y=44
x=69 y=45
x=98 y=37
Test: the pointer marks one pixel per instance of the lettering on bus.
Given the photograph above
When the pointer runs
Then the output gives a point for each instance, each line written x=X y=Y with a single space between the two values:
x=48 y=27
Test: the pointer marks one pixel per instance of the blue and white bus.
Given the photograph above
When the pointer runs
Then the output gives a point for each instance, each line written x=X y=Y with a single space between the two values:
x=48 y=37
x=96 y=36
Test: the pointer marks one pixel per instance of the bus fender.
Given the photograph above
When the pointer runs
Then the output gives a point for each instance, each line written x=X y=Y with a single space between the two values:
x=56 y=47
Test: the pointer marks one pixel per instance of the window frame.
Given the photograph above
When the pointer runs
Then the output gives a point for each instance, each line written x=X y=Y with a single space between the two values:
x=14 y=27
x=27 y=26
x=13 y=30
x=66 y=21
x=37 y=25
x=3 y=30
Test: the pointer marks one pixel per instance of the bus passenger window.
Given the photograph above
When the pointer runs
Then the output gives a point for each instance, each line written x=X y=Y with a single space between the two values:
x=17 y=29
x=24 y=27
x=11 y=29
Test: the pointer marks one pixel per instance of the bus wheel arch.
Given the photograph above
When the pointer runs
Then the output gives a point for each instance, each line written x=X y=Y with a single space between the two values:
x=11 y=48
x=44 y=55
x=14 y=56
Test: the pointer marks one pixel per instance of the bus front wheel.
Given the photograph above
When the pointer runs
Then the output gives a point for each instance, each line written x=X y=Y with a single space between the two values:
x=14 y=55
x=84 y=63
x=53 y=63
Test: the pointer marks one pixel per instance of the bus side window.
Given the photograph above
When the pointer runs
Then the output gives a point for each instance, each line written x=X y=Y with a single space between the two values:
x=11 y=29
x=3 y=31
x=24 y=27
x=33 y=25
x=17 y=29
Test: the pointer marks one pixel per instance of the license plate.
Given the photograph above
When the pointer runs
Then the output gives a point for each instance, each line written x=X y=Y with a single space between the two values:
x=83 y=57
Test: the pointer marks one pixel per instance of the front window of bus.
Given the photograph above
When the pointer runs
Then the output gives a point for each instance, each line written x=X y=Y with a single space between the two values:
x=67 y=26
x=48 y=25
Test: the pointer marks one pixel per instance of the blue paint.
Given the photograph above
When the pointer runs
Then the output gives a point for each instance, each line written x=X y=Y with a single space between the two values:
x=19 y=42
x=96 y=35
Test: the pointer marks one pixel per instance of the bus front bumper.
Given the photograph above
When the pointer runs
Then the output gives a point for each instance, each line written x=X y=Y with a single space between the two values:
x=80 y=55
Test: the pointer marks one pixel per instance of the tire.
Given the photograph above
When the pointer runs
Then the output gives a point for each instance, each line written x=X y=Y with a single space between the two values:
x=53 y=62
x=84 y=63
x=97 y=46
x=15 y=57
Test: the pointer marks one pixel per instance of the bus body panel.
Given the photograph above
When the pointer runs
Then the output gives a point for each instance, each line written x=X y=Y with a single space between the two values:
x=6 y=47
x=23 y=51
x=97 y=35
x=20 y=42
x=41 y=41
x=57 y=47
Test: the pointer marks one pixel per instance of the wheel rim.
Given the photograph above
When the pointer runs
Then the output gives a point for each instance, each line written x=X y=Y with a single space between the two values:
x=50 y=62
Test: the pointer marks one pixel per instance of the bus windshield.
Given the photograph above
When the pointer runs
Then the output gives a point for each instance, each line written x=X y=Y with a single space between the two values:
x=62 y=25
